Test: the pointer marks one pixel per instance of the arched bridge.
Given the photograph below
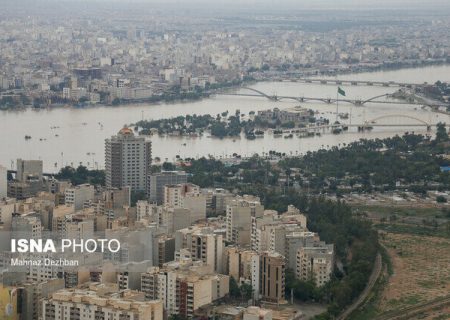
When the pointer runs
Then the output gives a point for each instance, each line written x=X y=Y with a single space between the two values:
x=356 y=102
x=401 y=117
x=374 y=98
x=274 y=98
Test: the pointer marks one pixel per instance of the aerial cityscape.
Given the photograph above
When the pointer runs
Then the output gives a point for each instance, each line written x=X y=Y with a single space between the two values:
x=193 y=159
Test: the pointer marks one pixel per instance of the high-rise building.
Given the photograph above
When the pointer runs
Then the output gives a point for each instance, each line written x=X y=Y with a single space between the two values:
x=3 y=182
x=32 y=293
x=127 y=160
x=165 y=251
x=240 y=215
x=158 y=181
x=238 y=263
x=315 y=263
x=29 y=170
x=174 y=193
x=268 y=277
x=28 y=181
x=203 y=244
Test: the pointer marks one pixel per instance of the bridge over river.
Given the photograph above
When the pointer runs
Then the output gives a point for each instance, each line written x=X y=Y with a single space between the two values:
x=355 y=82
x=358 y=102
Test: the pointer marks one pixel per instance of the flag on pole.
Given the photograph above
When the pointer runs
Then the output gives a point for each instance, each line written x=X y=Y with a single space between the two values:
x=341 y=91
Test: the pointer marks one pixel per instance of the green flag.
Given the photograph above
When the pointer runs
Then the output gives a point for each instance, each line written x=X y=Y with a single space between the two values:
x=341 y=92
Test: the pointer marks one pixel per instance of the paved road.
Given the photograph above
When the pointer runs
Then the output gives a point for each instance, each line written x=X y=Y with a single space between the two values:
x=372 y=280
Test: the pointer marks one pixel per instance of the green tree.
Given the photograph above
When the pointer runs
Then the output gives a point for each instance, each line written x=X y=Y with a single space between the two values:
x=168 y=166
x=441 y=132
x=246 y=291
x=234 y=288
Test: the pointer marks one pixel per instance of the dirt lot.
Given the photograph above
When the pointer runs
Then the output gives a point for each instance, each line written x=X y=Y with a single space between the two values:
x=421 y=270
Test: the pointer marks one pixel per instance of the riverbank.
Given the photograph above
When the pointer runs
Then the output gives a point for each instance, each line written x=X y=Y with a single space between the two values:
x=196 y=95
x=81 y=138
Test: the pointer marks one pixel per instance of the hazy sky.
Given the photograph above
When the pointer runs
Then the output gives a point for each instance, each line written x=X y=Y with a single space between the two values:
x=381 y=4
x=307 y=3
x=436 y=7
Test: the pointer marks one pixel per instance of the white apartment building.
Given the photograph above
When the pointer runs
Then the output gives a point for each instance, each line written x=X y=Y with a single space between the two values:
x=79 y=196
x=100 y=302
x=240 y=214
x=315 y=263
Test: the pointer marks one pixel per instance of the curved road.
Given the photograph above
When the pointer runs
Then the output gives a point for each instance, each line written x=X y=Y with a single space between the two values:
x=372 y=280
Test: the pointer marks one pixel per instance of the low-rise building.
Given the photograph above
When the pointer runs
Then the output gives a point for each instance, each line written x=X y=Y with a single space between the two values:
x=100 y=302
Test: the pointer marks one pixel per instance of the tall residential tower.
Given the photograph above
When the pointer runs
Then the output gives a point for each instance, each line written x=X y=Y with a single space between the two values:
x=127 y=160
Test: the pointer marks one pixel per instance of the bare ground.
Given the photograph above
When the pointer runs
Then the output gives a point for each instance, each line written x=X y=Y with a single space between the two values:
x=421 y=271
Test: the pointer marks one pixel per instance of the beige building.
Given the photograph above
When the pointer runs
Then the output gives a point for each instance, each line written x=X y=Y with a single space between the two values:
x=315 y=263
x=79 y=196
x=239 y=215
x=127 y=160
x=29 y=170
x=184 y=287
x=203 y=244
x=280 y=233
x=195 y=202
x=100 y=302
x=174 y=193
x=7 y=208
x=188 y=196
x=296 y=114
x=32 y=294
x=238 y=263
x=268 y=277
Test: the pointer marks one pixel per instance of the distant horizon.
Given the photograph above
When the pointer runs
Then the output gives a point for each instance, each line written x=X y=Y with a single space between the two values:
x=276 y=5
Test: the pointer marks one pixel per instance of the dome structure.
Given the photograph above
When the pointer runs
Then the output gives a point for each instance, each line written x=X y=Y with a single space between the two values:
x=126 y=132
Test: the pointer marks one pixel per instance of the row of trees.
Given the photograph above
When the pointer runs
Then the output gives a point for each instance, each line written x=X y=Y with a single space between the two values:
x=366 y=165
x=82 y=175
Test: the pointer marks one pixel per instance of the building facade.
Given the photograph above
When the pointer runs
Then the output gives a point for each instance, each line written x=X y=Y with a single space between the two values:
x=157 y=182
x=268 y=277
x=315 y=263
x=127 y=160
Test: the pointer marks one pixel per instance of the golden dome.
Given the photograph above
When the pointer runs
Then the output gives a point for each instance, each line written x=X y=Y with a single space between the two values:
x=126 y=131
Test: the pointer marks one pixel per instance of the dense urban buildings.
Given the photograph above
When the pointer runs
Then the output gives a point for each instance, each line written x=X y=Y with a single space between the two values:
x=233 y=187
x=173 y=256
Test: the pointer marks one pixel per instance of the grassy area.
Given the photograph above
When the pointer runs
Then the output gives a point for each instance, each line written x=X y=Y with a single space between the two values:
x=387 y=211
x=422 y=221
x=419 y=230
x=420 y=265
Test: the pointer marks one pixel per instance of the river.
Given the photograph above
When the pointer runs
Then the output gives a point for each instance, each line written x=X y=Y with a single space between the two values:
x=80 y=133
